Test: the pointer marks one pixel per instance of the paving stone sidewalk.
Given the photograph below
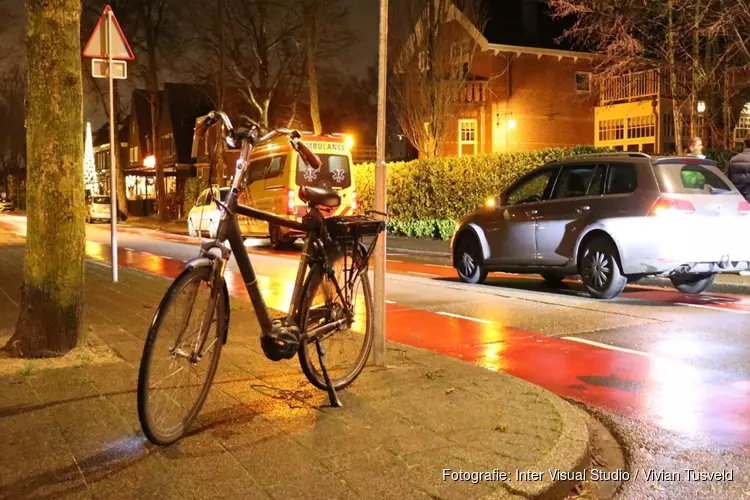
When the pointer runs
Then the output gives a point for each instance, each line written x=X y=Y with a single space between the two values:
x=265 y=432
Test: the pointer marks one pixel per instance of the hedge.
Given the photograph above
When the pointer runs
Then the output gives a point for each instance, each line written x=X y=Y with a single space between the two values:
x=427 y=197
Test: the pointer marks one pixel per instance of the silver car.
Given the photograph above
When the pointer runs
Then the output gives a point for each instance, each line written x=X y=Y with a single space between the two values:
x=612 y=219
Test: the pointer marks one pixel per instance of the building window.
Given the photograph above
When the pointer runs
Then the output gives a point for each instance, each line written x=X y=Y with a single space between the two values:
x=583 y=81
x=135 y=154
x=611 y=130
x=467 y=137
x=460 y=57
x=166 y=145
x=641 y=126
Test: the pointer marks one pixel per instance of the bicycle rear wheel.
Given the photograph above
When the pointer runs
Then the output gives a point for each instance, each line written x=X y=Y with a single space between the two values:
x=174 y=379
x=347 y=348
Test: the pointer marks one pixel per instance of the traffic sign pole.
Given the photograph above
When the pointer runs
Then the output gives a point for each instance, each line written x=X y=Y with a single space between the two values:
x=112 y=138
x=107 y=45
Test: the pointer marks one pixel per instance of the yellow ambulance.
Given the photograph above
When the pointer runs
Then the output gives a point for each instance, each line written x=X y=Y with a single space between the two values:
x=276 y=173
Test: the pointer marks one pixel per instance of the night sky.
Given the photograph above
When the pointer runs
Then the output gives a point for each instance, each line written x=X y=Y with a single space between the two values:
x=363 y=20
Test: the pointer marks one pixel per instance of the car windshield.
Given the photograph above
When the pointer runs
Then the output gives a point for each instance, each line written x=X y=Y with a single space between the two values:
x=100 y=200
x=333 y=173
x=691 y=179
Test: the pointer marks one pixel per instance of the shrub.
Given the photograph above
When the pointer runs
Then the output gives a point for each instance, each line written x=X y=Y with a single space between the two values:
x=427 y=197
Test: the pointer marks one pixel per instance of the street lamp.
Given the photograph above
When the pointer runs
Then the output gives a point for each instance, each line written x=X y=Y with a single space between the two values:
x=701 y=106
x=149 y=161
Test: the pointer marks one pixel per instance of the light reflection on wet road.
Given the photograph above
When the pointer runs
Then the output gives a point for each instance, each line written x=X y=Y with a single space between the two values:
x=665 y=358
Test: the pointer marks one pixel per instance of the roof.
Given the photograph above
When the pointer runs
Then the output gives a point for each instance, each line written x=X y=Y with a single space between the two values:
x=101 y=136
x=514 y=26
x=185 y=103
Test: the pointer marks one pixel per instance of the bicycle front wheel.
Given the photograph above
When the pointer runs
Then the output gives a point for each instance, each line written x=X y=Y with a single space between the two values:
x=347 y=348
x=178 y=365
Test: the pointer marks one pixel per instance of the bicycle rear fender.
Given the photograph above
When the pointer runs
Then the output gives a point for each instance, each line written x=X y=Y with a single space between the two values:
x=208 y=261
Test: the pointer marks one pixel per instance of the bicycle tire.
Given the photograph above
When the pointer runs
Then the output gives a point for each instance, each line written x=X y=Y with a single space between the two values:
x=150 y=429
x=308 y=352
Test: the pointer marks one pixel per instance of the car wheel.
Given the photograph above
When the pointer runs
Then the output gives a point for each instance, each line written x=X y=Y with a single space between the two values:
x=600 y=269
x=469 y=261
x=693 y=284
x=552 y=278
x=278 y=242
x=191 y=228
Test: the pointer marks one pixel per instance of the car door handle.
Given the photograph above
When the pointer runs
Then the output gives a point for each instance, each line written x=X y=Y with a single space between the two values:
x=582 y=209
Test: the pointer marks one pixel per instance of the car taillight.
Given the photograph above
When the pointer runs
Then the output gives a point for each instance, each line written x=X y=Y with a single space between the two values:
x=669 y=206
x=354 y=202
x=290 y=207
x=743 y=207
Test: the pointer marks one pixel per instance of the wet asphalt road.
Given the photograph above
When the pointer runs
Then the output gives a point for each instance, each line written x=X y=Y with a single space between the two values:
x=667 y=372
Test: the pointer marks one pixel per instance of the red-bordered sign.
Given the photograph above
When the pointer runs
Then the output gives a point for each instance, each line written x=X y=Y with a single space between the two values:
x=97 y=44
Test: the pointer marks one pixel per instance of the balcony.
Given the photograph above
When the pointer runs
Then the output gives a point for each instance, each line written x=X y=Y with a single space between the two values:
x=638 y=86
x=473 y=92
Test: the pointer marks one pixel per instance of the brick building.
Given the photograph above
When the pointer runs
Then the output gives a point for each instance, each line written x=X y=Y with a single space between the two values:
x=524 y=90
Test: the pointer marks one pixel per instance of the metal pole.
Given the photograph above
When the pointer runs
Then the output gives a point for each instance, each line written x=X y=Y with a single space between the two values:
x=379 y=349
x=112 y=136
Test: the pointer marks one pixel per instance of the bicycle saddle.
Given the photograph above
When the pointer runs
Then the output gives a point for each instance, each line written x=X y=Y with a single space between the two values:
x=319 y=196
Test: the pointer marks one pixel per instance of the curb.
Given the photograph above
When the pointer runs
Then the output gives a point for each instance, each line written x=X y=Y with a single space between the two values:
x=570 y=453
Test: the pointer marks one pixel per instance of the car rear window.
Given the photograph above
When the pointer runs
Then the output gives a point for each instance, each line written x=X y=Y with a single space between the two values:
x=334 y=172
x=691 y=179
x=621 y=179
x=100 y=200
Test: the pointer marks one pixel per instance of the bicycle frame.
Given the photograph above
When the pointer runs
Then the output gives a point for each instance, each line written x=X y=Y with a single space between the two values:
x=228 y=230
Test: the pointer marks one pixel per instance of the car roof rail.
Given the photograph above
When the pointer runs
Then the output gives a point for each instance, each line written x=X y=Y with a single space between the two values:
x=666 y=160
x=627 y=154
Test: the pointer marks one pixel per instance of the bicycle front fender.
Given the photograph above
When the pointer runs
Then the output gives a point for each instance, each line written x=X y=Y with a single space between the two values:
x=208 y=261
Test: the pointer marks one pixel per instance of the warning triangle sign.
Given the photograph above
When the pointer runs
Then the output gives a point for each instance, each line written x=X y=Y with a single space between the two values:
x=97 y=44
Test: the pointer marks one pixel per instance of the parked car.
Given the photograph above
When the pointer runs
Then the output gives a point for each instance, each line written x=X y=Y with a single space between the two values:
x=204 y=216
x=98 y=209
x=612 y=219
x=5 y=205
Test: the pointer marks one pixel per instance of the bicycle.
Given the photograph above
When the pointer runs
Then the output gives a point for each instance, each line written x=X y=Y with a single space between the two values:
x=333 y=264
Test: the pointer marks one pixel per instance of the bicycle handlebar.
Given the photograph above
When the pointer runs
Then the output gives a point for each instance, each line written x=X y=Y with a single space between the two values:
x=214 y=117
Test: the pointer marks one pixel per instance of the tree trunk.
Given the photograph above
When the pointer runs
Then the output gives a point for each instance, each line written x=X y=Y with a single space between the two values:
x=311 y=32
x=694 y=130
x=676 y=113
x=161 y=194
x=52 y=297
x=122 y=199
x=727 y=113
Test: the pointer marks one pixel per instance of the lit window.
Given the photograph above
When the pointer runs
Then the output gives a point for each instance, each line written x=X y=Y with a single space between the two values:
x=467 y=137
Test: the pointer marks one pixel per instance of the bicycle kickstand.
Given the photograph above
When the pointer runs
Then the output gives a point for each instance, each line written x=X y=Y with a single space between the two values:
x=335 y=402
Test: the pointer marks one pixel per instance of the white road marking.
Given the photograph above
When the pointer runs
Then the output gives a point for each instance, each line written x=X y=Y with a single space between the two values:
x=436 y=265
x=607 y=346
x=486 y=322
x=390 y=301
x=423 y=274
x=165 y=257
x=128 y=249
x=719 y=309
x=394 y=260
